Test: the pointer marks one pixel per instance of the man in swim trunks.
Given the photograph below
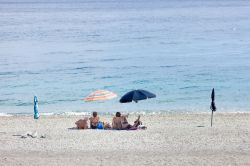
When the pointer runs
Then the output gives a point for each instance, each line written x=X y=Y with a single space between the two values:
x=94 y=121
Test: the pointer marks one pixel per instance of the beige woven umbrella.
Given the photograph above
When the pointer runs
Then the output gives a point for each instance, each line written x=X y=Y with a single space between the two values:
x=100 y=95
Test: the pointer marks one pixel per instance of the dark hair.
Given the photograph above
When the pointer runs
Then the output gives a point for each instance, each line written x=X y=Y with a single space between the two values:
x=94 y=114
x=118 y=114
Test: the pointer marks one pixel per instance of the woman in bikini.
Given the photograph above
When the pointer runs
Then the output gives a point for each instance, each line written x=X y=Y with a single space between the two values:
x=120 y=122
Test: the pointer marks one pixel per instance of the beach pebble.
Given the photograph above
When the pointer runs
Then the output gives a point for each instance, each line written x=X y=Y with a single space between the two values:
x=43 y=136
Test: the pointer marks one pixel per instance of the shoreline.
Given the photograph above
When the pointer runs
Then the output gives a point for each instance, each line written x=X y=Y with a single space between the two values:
x=144 y=113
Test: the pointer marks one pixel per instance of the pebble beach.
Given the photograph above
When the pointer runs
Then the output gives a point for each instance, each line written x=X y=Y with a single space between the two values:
x=170 y=139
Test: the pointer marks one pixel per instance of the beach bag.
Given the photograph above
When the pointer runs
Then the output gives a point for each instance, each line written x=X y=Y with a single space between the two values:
x=107 y=125
x=100 y=125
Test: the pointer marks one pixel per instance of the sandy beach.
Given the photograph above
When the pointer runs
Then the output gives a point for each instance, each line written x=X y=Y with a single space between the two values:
x=171 y=139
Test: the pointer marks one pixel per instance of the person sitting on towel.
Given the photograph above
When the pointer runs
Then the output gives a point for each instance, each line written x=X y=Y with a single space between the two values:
x=94 y=121
x=127 y=126
x=82 y=123
x=120 y=122
x=116 y=122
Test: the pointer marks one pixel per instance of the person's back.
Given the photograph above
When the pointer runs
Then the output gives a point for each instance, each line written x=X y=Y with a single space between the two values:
x=94 y=120
x=82 y=123
x=116 y=122
x=124 y=122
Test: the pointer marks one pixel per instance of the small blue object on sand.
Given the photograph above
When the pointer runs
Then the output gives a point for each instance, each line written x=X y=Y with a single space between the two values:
x=36 y=113
x=100 y=125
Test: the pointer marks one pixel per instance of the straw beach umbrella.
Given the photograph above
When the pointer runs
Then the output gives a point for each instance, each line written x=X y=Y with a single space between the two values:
x=100 y=95
x=212 y=106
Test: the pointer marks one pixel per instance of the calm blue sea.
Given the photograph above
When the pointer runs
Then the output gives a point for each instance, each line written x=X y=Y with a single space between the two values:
x=178 y=49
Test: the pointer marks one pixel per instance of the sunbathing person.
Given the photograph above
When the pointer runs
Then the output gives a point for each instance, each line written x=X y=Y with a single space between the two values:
x=82 y=123
x=137 y=122
x=116 y=122
x=124 y=122
x=127 y=126
x=120 y=122
x=94 y=121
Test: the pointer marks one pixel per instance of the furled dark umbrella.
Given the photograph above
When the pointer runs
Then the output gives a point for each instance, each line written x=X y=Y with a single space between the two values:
x=36 y=113
x=136 y=95
x=212 y=107
x=36 y=116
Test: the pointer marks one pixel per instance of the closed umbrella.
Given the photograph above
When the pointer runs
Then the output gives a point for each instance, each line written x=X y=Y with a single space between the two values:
x=212 y=106
x=36 y=117
x=36 y=113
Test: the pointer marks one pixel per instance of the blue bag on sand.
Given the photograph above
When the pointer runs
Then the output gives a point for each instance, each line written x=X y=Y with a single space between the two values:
x=36 y=113
x=99 y=125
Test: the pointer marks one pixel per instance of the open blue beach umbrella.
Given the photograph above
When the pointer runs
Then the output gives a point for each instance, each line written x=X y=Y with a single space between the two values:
x=36 y=113
x=136 y=95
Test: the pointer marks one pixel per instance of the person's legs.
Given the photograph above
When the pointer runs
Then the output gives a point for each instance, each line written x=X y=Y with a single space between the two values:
x=93 y=127
x=137 y=122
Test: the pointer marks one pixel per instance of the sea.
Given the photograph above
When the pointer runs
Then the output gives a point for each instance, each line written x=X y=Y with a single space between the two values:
x=61 y=51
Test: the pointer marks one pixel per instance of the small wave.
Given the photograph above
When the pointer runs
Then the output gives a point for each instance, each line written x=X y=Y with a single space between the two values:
x=20 y=86
x=189 y=87
x=111 y=59
x=170 y=43
x=108 y=86
x=79 y=62
x=5 y=100
x=5 y=114
x=108 y=77
x=168 y=66
x=94 y=35
x=86 y=67
x=144 y=112
x=7 y=73
x=165 y=101
x=24 y=104
x=48 y=114
x=76 y=113
x=141 y=81
x=203 y=74
x=93 y=50
x=143 y=37
x=186 y=98
x=59 y=52
x=63 y=100
x=187 y=80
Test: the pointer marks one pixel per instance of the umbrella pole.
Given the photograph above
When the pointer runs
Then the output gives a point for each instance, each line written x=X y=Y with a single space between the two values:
x=36 y=125
x=212 y=118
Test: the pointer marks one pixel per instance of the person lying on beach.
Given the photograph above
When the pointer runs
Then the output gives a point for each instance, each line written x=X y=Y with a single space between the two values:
x=120 y=122
x=124 y=122
x=127 y=126
x=137 y=122
x=82 y=123
x=94 y=121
